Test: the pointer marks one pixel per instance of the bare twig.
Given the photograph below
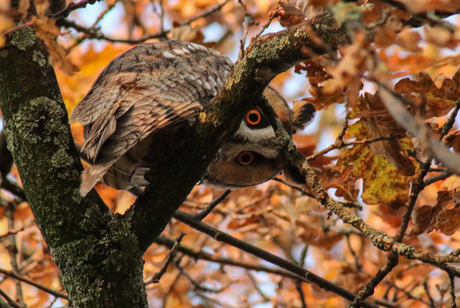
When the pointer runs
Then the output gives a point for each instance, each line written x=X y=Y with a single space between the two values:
x=428 y=293
x=13 y=250
x=358 y=265
x=248 y=21
x=13 y=188
x=197 y=285
x=265 y=255
x=201 y=255
x=72 y=6
x=156 y=278
x=442 y=176
x=407 y=293
x=93 y=33
x=109 y=7
x=256 y=286
x=342 y=144
x=453 y=297
x=201 y=215
x=10 y=301
x=205 y=13
x=368 y=290
x=32 y=283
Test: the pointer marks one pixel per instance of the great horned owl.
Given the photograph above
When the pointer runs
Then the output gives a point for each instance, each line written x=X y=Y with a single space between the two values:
x=136 y=112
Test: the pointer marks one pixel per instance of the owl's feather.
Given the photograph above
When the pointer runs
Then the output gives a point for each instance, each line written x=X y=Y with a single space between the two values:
x=145 y=89
x=137 y=112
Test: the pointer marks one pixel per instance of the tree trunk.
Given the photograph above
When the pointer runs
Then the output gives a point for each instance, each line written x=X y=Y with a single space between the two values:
x=97 y=255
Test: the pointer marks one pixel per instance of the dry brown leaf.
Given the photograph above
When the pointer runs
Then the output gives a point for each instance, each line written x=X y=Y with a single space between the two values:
x=379 y=123
x=452 y=183
x=356 y=59
x=386 y=34
x=352 y=279
x=317 y=75
x=316 y=72
x=421 y=220
x=322 y=100
x=408 y=39
x=345 y=183
x=444 y=216
x=452 y=139
x=47 y=31
x=187 y=33
x=426 y=6
x=439 y=101
x=290 y=13
x=448 y=221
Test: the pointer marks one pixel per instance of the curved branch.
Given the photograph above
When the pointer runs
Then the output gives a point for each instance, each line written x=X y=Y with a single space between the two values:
x=266 y=57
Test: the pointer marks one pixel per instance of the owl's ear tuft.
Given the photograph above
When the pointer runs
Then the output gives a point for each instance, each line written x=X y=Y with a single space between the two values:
x=303 y=113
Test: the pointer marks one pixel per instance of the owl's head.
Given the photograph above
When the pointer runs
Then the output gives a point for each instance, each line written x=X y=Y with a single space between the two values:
x=253 y=154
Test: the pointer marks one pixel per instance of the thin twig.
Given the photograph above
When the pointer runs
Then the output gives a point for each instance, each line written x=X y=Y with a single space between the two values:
x=258 y=289
x=72 y=6
x=202 y=255
x=453 y=297
x=408 y=294
x=201 y=215
x=358 y=265
x=13 y=251
x=197 y=285
x=298 y=284
x=265 y=255
x=439 y=177
x=156 y=278
x=368 y=290
x=13 y=188
x=32 y=283
x=205 y=13
x=10 y=301
x=343 y=144
x=93 y=33
x=427 y=291
x=109 y=7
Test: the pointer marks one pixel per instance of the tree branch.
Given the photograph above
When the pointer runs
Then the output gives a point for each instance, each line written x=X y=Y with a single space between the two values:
x=266 y=57
x=32 y=283
x=302 y=273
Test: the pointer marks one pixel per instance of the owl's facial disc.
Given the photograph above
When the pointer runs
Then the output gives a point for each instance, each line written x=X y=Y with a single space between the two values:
x=249 y=157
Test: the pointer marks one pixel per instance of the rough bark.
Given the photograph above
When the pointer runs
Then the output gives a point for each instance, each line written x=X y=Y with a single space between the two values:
x=99 y=254
x=267 y=57
x=95 y=252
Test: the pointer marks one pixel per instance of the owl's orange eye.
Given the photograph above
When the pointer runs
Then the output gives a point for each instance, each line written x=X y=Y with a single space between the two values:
x=253 y=117
x=245 y=158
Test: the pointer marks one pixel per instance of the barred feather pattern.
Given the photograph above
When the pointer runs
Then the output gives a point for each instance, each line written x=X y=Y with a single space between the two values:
x=137 y=110
x=142 y=91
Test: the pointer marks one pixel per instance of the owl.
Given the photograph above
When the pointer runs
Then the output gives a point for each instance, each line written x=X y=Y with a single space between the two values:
x=141 y=105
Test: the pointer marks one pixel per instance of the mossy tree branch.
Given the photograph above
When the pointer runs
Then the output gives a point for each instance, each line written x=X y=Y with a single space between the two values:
x=267 y=56
x=99 y=254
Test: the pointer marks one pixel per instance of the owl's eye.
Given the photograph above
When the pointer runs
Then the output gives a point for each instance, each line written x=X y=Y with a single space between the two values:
x=253 y=117
x=245 y=158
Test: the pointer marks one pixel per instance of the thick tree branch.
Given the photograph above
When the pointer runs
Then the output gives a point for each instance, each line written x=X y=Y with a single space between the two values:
x=79 y=231
x=267 y=56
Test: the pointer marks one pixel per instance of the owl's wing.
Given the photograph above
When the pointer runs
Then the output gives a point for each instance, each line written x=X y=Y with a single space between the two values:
x=144 y=90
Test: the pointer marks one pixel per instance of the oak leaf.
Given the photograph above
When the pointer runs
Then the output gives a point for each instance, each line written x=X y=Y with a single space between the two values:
x=422 y=90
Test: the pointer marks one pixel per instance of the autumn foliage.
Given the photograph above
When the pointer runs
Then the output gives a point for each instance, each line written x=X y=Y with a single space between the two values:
x=382 y=175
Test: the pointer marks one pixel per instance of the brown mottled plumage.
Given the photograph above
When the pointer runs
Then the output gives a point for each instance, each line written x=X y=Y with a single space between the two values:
x=135 y=114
